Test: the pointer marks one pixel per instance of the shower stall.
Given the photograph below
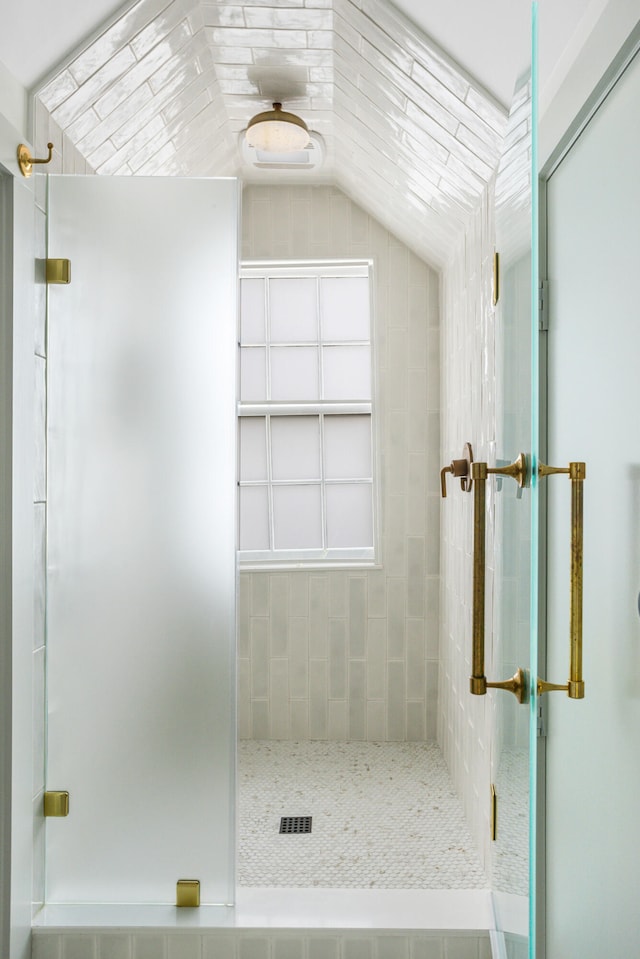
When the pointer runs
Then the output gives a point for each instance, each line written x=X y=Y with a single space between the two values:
x=142 y=583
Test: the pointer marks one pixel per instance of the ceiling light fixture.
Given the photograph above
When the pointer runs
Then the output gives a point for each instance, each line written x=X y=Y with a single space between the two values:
x=276 y=131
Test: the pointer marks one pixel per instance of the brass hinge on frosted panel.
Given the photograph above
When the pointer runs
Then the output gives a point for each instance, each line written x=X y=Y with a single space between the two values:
x=188 y=893
x=543 y=305
x=58 y=271
x=56 y=803
x=496 y=277
x=494 y=813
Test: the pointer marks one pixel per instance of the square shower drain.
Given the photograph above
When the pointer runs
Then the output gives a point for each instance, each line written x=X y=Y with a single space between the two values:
x=297 y=824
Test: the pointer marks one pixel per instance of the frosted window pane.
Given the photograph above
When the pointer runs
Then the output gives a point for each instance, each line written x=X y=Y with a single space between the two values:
x=253 y=373
x=347 y=372
x=293 y=310
x=347 y=447
x=252 y=326
x=297 y=517
x=254 y=517
x=294 y=373
x=253 y=448
x=349 y=515
x=344 y=306
x=295 y=447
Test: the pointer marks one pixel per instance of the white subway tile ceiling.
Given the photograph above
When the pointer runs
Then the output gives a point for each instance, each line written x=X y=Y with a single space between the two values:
x=166 y=88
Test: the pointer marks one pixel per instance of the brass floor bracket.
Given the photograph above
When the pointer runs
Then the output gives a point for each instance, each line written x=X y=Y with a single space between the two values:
x=188 y=893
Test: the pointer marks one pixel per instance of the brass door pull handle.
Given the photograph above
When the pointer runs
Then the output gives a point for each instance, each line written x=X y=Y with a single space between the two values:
x=460 y=468
x=479 y=474
x=574 y=687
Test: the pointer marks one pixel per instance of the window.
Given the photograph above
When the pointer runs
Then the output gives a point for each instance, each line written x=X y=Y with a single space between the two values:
x=306 y=439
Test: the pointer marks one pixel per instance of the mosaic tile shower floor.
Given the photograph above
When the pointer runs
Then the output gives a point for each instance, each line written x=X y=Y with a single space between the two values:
x=385 y=815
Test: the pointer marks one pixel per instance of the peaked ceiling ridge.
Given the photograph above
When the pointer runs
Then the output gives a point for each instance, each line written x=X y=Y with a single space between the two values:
x=166 y=86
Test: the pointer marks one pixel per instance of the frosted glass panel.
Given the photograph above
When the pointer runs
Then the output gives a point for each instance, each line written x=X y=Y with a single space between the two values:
x=253 y=448
x=349 y=520
x=294 y=373
x=295 y=447
x=254 y=517
x=293 y=310
x=347 y=447
x=344 y=305
x=142 y=537
x=253 y=373
x=252 y=311
x=297 y=517
x=347 y=372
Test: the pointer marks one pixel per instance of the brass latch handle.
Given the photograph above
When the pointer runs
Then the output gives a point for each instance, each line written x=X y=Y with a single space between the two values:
x=460 y=468
x=574 y=687
x=479 y=473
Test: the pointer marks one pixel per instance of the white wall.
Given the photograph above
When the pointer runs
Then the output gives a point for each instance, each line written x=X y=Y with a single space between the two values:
x=13 y=101
x=354 y=654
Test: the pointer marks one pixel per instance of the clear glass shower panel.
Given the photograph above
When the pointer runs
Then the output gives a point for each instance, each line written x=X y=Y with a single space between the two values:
x=142 y=538
x=516 y=401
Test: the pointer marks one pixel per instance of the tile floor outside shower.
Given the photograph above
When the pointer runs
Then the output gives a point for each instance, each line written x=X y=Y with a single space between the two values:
x=384 y=815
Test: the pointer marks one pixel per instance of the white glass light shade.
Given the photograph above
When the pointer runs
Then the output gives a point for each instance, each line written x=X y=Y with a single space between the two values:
x=276 y=131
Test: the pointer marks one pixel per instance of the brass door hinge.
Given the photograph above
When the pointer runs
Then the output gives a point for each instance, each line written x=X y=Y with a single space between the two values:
x=543 y=306
x=58 y=271
x=496 y=277
x=56 y=803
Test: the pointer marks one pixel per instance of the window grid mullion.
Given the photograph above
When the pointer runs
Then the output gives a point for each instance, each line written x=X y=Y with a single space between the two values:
x=267 y=334
x=272 y=525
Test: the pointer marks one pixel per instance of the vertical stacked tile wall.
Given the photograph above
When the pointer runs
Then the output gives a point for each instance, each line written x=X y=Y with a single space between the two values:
x=261 y=944
x=353 y=654
x=465 y=722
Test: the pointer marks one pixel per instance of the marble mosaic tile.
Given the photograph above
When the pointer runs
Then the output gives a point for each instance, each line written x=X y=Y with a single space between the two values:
x=385 y=815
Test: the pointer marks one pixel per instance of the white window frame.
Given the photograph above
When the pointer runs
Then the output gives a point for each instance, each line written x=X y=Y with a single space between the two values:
x=322 y=558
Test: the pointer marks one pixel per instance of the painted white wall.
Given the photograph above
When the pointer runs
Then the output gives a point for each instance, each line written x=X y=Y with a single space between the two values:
x=13 y=101
x=565 y=88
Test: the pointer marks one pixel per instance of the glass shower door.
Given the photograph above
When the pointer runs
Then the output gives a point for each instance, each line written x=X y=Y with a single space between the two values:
x=142 y=538
x=514 y=646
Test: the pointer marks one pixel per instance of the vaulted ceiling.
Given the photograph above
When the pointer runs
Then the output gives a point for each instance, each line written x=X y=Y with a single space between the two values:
x=167 y=88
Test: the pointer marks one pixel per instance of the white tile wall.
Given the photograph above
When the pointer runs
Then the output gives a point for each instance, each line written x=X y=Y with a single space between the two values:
x=262 y=944
x=354 y=654
x=168 y=85
x=465 y=722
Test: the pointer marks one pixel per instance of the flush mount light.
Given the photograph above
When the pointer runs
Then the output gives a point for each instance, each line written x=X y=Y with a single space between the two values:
x=276 y=131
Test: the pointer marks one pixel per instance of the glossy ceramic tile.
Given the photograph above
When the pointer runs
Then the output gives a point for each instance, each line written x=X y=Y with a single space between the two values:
x=407 y=134
x=355 y=641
